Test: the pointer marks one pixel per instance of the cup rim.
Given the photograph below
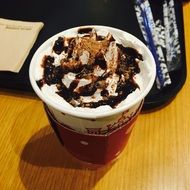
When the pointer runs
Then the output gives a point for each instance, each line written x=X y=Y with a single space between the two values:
x=85 y=114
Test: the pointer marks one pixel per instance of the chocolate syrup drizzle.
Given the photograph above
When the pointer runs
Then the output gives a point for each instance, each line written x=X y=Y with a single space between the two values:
x=127 y=66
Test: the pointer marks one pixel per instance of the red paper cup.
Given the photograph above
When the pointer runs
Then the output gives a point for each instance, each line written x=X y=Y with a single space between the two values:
x=94 y=147
x=96 y=137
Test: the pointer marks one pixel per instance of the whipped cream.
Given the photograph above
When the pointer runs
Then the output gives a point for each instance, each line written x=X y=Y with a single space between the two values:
x=87 y=70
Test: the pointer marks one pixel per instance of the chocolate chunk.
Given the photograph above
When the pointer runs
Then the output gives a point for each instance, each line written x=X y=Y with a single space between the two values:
x=58 y=46
x=100 y=60
x=84 y=30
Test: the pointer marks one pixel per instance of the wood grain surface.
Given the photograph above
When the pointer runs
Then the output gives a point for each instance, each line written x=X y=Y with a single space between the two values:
x=157 y=156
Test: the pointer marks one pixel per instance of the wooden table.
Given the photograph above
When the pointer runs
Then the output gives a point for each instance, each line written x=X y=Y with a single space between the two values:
x=157 y=156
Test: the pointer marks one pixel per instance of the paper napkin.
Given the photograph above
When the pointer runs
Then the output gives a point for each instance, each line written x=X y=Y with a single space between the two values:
x=16 y=41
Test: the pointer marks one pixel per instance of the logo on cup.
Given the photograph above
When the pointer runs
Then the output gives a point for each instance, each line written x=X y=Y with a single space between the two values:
x=125 y=119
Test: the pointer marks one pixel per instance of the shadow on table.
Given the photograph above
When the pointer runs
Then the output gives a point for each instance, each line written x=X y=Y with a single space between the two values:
x=45 y=164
